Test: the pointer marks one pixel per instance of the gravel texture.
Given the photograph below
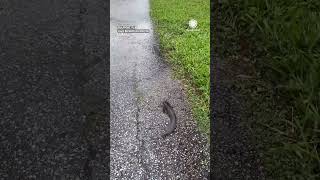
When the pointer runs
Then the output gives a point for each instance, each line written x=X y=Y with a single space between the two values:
x=53 y=89
x=140 y=80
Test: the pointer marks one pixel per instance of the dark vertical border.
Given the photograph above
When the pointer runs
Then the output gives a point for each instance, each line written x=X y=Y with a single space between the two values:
x=54 y=89
x=232 y=155
x=107 y=8
x=214 y=74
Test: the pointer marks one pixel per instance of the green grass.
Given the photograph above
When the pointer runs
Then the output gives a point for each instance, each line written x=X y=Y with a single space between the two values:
x=284 y=41
x=187 y=51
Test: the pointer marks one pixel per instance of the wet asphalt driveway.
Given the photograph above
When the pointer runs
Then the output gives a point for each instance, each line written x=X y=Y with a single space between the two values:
x=139 y=81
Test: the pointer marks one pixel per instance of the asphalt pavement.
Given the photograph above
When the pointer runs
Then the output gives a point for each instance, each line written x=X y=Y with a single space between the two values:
x=53 y=90
x=140 y=79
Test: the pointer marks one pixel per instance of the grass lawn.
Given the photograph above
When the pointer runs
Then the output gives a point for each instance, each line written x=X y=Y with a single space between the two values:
x=187 y=51
x=283 y=41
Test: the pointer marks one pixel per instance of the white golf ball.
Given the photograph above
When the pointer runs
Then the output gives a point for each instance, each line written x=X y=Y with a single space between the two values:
x=193 y=23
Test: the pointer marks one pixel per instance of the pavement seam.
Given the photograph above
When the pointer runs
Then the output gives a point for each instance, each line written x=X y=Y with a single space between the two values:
x=138 y=99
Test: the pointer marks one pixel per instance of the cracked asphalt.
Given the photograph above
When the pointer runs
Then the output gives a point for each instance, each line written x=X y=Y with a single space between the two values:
x=139 y=81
